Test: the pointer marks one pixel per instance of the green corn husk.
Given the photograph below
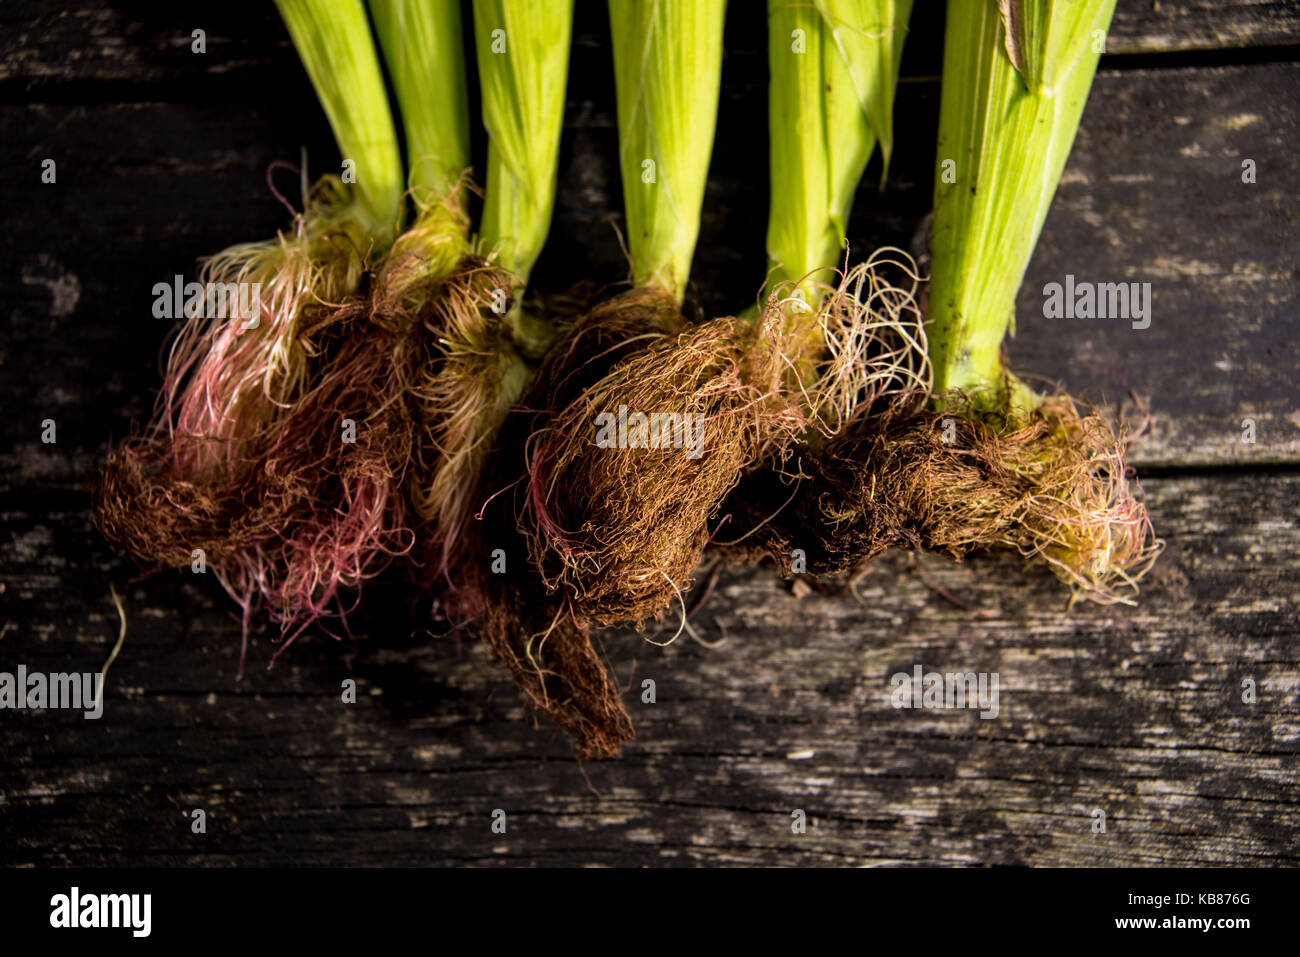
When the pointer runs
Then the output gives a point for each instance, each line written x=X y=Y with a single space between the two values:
x=479 y=355
x=667 y=72
x=1010 y=109
x=334 y=42
x=523 y=63
x=829 y=106
x=423 y=46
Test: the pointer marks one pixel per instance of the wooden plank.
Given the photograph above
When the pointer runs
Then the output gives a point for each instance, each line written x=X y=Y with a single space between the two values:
x=1153 y=193
x=142 y=192
x=1162 y=26
x=1136 y=712
x=127 y=49
x=131 y=44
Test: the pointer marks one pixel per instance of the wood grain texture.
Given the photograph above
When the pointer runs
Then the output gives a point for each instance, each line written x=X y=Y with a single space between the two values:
x=1150 y=26
x=1134 y=711
x=1152 y=193
x=134 y=48
x=162 y=158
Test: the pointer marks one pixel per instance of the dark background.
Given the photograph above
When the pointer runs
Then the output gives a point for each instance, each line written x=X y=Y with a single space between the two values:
x=162 y=157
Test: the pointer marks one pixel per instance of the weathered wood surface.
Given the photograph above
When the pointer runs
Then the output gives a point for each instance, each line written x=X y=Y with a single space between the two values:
x=1137 y=712
x=1153 y=193
x=1153 y=26
x=133 y=47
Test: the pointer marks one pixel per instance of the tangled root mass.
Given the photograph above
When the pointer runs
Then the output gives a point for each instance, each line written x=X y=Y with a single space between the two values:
x=1050 y=484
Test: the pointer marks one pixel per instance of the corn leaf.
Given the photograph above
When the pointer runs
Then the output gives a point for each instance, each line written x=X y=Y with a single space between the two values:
x=334 y=42
x=1016 y=75
x=834 y=69
x=523 y=63
x=424 y=49
x=667 y=73
x=866 y=46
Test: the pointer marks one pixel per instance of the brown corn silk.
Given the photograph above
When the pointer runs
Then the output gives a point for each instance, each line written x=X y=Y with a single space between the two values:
x=1047 y=482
